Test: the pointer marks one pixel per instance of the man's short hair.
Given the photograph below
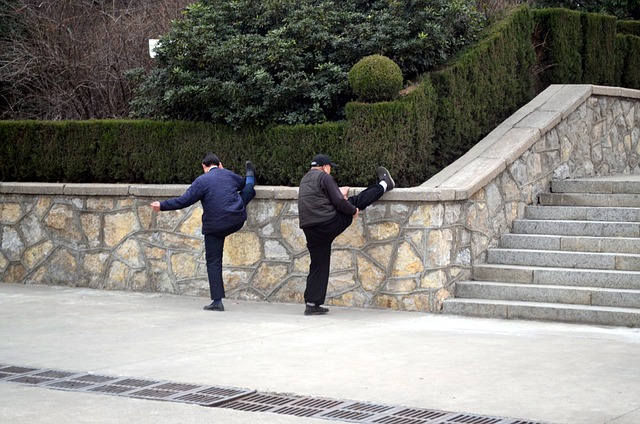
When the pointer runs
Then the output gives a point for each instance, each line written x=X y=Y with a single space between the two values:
x=211 y=159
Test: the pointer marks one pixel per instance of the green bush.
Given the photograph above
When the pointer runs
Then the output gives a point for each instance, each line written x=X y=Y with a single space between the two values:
x=483 y=87
x=559 y=39
x=628 y=27
x=598 y=52
x=628 y=47
x=256 y=63
x=375 y=78
x=415 y=135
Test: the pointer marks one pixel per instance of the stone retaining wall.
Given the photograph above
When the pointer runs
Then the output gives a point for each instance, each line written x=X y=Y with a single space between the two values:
x=405 y=252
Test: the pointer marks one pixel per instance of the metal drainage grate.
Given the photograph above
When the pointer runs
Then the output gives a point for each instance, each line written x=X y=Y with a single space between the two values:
x=358 y=412
x=242 y=399
x=122 y=386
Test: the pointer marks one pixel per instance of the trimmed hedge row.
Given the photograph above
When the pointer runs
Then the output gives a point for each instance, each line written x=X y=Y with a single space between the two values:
x=414 y=136
x=628 y=28
x=483 y=87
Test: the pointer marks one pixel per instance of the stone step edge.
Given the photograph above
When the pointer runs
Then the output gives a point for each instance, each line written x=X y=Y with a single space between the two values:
x=577 y=221
x=569 y=236
x=558 y=269
x=576 y=307
x=613 y=208
x=565 y=253
x=548 y=287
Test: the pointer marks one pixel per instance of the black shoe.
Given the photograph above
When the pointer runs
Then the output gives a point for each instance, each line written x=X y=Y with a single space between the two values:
x=251 y=170
x=315 y=310
x=214 y=307
x=383 y=175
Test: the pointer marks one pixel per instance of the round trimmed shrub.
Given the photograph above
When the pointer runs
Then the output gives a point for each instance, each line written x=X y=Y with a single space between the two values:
x=375 y=78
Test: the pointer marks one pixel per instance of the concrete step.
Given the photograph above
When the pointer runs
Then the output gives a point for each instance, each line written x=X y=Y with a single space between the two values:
x=594 y=296
x=587 y=199
x=554 y=258
x=557 y=276
x=582 y=213
x=543 y=311
x=622 y=184
x=575 y=258
x=577 y=228
x=571 y=243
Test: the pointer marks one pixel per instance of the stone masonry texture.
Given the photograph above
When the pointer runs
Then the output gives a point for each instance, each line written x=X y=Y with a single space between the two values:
x=406 y=252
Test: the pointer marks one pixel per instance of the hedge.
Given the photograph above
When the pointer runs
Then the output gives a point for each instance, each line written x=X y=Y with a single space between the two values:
x=415 y=136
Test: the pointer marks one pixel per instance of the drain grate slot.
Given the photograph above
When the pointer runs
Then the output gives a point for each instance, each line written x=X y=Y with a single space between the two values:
x=18 y=370
x=95 y=379
x=29 y=379
x=344 y=414
x=70 y=385
x=152 y=393
x=134 y=382
x=298 y=412
x=472 y=419
x=54 y=374
x=111 y=389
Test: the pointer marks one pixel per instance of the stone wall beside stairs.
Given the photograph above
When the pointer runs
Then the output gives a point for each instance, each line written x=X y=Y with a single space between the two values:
x=407 y=252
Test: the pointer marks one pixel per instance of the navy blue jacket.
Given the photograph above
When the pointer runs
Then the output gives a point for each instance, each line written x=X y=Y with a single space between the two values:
x=222 y=205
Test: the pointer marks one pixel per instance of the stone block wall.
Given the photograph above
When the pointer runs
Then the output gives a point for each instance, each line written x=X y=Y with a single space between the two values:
x=406 y=252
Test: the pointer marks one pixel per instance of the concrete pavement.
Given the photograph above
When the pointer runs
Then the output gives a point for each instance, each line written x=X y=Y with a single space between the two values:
x=546 y=372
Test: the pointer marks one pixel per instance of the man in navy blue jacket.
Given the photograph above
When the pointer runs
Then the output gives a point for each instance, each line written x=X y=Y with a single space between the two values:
x=224 y=197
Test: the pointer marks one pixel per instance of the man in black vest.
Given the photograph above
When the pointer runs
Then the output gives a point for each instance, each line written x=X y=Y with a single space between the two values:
x=324 y=213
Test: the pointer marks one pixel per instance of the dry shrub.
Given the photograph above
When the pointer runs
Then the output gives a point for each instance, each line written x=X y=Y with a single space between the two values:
x=70 y=62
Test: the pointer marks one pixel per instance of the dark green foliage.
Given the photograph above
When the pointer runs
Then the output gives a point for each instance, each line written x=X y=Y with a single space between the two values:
x=284 y=153
x=396 y=134
x=622 y=9
x=628 y=47
x=558 y=37
x=483 y=87
x=628 y=27
x=414 y=136
x=254 y=62
x=582 y=48
x=375 y=78
x=115 y=151
x=598 y=52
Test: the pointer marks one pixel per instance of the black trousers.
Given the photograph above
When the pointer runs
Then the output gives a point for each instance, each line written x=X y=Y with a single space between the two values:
x=319 y=240
x=214 y=249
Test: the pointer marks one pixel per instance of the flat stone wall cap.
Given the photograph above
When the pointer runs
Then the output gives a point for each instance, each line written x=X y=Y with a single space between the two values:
x=158 y=190
x=513 y=144
x=568 y=99
x=31 y=188
x=547 y=94
x=419 y=194
x=96 y=189
x=601 y=90
x=276 y=192
x=630 y=93
x=475 y=176
x=542 y=120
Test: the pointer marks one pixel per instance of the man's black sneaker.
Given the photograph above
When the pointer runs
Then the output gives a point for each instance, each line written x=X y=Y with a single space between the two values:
x=214 y=307
x=383 y=175
x=251 y=170
x=315 y=310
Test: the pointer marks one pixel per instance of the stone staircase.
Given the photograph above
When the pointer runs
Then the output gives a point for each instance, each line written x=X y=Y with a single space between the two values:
x=574 y=258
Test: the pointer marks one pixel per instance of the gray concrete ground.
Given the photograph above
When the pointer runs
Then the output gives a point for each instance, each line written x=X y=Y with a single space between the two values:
x=547 y=372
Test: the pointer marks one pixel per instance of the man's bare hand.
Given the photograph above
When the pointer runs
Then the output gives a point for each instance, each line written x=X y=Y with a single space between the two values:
x=344 y=191
x=155 y=206
x=355 y=215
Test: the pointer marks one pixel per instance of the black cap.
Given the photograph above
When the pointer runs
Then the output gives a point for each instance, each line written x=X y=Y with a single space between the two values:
x=321 y=160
